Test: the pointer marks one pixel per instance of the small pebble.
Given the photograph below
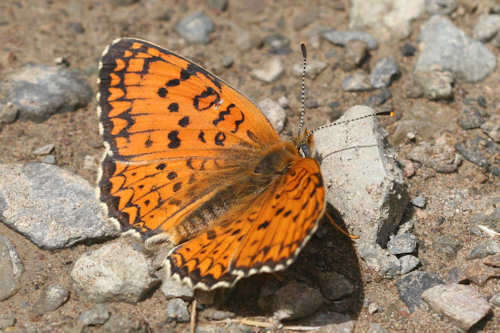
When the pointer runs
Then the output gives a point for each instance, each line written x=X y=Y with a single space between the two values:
x=227 y=61
x=419 y=202
x=196 y=28
x=384 y=72
x=408 y=263
x=177 y=310
x=44 y=150
x=408 y=50
x=373 y=308
x=269 y=71
x=358 y=81
x=402 y=244
x=95 y=316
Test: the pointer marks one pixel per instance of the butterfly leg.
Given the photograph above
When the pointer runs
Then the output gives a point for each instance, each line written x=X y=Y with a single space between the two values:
x=332 y=222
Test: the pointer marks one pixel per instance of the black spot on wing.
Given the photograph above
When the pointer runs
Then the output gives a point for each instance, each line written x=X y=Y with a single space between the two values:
x=173 y=107
x=162 y=92
x=220 y=138
x=175 y=141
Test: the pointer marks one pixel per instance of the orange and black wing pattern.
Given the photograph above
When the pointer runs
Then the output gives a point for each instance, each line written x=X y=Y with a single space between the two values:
x=264 y=235
x=172 y=130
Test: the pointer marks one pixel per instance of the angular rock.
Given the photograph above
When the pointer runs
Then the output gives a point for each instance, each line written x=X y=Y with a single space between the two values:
x=408 y=263
x=386 y=18
x=196 y=28
x=39 y=91
x=378 y=259
x=98 y=315
x=444 y=45
x=116 y=272
x=313 y=68
x=356 y=51
x=462 y=304
x=343 y=37
x=51 y=206
x=295 y=300
x=278 y=44
x=447 y=244
x=484 y=249
x=492 y=127
x=402 y=244
x=269 y=71
x=44 y=150
x=358 y=81
x=51 y=298
x=367 y=184
x=11 y=267
x=478 y=271
x=379 y=98
x=172 y=288
x=274 y=113
x=384 y=71
x=411 y=287
x=487 y=27
x=177 y=310
x=418 y=201
x=435 y=84
x=471 y=118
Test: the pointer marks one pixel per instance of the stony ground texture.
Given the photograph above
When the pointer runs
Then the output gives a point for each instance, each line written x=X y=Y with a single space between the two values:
x=421 y=189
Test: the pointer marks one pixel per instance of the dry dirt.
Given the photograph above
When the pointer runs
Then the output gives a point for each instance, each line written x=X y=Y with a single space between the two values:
x=38 y=32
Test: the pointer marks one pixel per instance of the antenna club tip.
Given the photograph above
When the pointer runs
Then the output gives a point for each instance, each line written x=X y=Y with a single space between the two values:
x=303 y=49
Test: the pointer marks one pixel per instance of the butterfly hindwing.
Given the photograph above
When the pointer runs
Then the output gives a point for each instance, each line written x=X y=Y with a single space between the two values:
x=264 y=236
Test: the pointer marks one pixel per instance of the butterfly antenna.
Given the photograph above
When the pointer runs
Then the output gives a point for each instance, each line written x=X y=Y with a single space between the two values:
x=302 y=89
x=376 y=114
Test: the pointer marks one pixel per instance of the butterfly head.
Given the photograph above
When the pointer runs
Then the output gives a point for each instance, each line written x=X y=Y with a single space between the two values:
x=305 y=143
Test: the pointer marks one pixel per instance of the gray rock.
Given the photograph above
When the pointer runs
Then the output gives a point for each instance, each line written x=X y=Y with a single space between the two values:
x=440 y=155
x=116 y=272
x=435 y=84
x=220 y=5
x=51 y=298
x=51 y=206
x=379 y=98
x=471 y=151
x=172 y=288
x=343 y=37
x=378 y=259
x=440 y=7
x=49 y=159
x=492 y=127
x=408 y=50
x=177 y=310
x=376 y=328
x=384 y=71
x=411 y=287
x=277 y=44
x=125 y=323
x=419 y=202
x=471 y=118
x=408 y=263
x=11 y=267
x=44 y=150
x=358 y=81
x=447 y=245
x=196 y=28
x=215 y=314
x=227 y=61
x=313 y=68
x=484 y=249
x=356 y=51
x=296 y=300
x=274 y=113
x=39 y=91
x=354 y=157
x=385 y=18
x=487 y=27
x=8 y=113
x=402 y=244
x=447 y=46
x=495 y=300
x=462 y=304
x=269 y=71
x=335 y=286
x=244 y=39
x=373 y=308
x=98 y=315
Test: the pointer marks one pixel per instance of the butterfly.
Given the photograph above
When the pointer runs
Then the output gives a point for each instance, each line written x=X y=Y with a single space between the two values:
x=192 y=161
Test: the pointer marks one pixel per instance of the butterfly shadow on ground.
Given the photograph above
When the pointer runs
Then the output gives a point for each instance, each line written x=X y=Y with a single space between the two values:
x=328 y=263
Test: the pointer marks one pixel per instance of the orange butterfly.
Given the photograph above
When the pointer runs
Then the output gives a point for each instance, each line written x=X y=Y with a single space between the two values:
x=191 y=160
